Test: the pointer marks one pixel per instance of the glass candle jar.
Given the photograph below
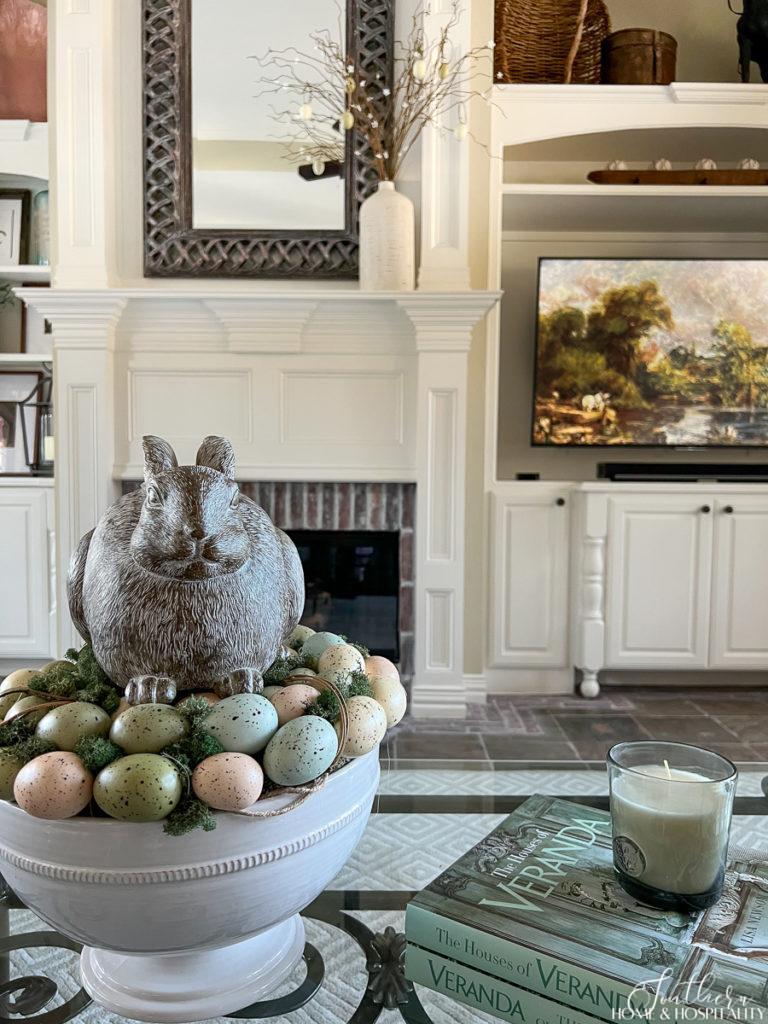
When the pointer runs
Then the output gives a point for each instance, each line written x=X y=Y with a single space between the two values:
x=671 y=810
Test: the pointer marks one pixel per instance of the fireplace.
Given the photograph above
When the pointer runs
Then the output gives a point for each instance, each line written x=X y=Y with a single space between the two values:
x=356 y=544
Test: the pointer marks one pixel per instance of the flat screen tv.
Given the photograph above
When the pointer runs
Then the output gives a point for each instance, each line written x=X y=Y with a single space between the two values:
x=652 y=353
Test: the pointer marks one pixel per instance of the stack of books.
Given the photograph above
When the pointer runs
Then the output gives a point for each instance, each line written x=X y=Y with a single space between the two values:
x=532 y=926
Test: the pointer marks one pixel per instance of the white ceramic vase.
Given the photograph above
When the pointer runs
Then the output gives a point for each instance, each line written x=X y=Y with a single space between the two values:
x=187 y=928
x=387 y=241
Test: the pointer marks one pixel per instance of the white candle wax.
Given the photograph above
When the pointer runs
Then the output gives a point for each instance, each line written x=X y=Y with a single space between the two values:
x=670 y=828
x=48 y=449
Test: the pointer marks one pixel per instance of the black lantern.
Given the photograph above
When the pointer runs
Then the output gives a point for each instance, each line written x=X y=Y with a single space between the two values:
x=38 y=448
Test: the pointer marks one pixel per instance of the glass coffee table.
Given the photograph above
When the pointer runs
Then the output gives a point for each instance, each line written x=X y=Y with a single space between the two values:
x=427 y=814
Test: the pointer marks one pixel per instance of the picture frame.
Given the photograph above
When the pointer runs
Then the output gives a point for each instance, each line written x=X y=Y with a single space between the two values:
x=14 y=226
x=15 y=386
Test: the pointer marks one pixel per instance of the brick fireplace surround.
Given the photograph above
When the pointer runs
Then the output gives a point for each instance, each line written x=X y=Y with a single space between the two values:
x=351 y=506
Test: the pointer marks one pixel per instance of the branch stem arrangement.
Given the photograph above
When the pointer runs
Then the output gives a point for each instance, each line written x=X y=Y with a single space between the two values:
x=328 y=99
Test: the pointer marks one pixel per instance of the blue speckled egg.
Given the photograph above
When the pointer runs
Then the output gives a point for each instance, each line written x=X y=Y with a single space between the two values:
x=314 y=646
x=300 y=751
x=243 y=724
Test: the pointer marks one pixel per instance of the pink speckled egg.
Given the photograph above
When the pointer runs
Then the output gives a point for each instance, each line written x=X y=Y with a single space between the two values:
x=228 y=782
x=293 y=701
x=381 y=668
x=55 y=785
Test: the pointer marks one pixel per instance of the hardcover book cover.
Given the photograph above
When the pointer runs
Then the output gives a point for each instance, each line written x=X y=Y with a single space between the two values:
x=536 y=905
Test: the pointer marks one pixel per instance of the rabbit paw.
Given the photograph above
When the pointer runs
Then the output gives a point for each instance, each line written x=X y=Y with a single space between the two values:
x=242 y=680
x=150 y=690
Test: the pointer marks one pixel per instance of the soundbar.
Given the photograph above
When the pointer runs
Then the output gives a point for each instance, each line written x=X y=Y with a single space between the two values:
x=683 y=472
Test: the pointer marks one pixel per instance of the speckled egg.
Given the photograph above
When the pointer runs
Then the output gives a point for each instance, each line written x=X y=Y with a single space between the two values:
x=244 y=723
x=141 y=787
x=299 y=636
x=147 y=728
x=300 y=751
x=304 y=675
x=270 y=691
x=17 y=680
x=293 y=701
x=65 y=725
x=53 y=786
x=390 y=693
x=367 y=726
x=381 y=668
x=338 y=661
x=314 y=646
x=10 y=766
x=228 y=782
x=23 y=705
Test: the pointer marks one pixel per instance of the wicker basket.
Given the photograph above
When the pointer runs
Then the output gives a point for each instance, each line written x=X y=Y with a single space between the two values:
x=533 y=38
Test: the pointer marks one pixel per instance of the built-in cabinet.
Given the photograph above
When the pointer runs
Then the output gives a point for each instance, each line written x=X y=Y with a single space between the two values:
x=591 y=577
x=27 y=590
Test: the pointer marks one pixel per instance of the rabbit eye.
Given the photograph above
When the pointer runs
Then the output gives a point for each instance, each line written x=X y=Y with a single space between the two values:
x=153 y=496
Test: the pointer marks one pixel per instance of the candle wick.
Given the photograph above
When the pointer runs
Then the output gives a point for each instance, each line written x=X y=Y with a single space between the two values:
x=669 y=773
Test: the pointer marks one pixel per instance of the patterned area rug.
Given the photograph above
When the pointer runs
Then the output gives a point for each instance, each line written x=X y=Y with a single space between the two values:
x=422 y=822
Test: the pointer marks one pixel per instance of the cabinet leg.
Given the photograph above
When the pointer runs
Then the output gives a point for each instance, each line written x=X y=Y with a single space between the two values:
x=589 y=687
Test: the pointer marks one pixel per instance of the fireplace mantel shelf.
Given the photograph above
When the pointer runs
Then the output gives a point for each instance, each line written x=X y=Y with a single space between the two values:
x=253 y=320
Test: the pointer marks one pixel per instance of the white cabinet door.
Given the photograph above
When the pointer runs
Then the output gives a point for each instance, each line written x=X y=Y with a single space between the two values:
x=739 y=629
x=24 y=611
x=658 y=581
x=529 y=578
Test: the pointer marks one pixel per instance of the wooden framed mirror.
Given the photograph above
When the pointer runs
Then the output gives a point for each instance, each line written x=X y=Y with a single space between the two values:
x=218 y=201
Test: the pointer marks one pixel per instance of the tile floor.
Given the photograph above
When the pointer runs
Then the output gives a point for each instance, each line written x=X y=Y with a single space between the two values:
x=565 y=729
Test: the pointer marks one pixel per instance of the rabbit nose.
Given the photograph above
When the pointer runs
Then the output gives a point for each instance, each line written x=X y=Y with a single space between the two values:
x=196 y=533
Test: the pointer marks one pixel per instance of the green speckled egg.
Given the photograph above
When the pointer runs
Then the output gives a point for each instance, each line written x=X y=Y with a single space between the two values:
x=243 y=724
x=24 y=705
x=147 y=728
x=65 y=725
x=17 y=680
x=10 y=766
x=141 y=787
x=314 y=646
x=299 y=636
x=300 y=751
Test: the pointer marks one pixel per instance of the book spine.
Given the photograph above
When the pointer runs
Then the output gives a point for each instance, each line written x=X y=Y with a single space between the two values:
x=506 y=960
x=482 y=992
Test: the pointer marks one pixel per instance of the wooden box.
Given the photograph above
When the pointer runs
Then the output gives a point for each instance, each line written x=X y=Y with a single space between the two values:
x=639 y=56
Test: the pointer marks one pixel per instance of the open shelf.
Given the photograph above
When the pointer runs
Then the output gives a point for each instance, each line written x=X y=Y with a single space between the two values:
x=23 y=360
x=635 y=208
x=24 y=272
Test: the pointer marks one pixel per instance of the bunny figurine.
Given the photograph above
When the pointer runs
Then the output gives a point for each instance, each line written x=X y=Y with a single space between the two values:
x=185 y=584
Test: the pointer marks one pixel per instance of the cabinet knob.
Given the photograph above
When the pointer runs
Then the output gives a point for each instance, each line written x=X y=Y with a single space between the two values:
x=560 y=502
x=728 y=510
x=706 y=509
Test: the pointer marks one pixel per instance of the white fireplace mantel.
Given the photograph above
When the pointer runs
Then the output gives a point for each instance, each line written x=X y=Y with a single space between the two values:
x=310 y=384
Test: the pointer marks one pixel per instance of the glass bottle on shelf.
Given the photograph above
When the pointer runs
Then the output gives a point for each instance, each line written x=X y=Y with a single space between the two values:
x=41 y=228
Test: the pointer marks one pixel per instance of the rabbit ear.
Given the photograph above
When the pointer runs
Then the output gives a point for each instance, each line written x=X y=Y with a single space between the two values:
x=158 y=456
x=217 y=453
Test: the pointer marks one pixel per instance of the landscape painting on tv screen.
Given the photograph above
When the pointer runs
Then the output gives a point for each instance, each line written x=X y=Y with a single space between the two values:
x=652 y=352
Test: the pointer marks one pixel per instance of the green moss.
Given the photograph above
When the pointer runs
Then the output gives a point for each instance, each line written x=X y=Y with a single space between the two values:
x=33 y=747
x=189 y=815
x=326 y=706
x=96 y=752
x=81 y=678
x=16 y=731
x=195 y=710
x=280 y=669
x=358 y=685
x=193 y=749
x=57 y=681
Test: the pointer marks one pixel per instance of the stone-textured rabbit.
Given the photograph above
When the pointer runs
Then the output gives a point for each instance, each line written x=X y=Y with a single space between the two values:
x=185 y=584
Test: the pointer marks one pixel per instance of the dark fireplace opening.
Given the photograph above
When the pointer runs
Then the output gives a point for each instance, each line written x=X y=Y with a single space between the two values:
x=352 y=582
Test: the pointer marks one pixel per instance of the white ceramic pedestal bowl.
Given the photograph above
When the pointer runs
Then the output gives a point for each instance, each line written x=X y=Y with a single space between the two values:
x=182 y=929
